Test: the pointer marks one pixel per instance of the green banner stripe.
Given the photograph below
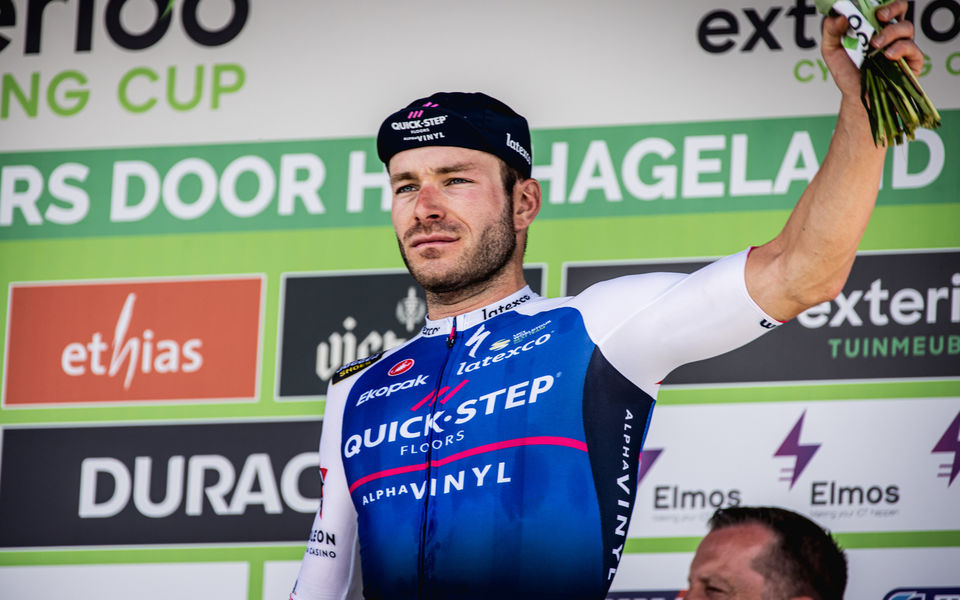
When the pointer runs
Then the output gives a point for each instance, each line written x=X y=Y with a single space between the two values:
x=858 y=541
x=899 y=539
x=850 y=541
x=314 y=408
x=658 y=169
x=814 y=392
x=255 y=580
x=277 y=252
x=180 y=554
x=205 y=412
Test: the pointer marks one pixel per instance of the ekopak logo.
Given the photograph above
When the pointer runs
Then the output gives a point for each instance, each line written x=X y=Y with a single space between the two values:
x=133 y=340
x=792 y=447
x=950 y=442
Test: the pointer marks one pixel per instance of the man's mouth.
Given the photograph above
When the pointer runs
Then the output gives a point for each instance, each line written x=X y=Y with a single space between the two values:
x=432 y=240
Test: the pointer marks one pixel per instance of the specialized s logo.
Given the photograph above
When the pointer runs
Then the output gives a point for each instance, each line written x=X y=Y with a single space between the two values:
x=802 y=452
x=476 y=339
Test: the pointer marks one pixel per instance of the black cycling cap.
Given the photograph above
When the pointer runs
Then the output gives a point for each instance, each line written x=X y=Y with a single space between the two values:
x=461 y=119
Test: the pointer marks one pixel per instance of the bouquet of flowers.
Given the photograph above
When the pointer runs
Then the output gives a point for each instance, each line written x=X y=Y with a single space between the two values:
x=896 y=103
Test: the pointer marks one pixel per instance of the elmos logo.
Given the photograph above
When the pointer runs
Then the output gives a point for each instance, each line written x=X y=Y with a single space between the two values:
x=950 y=443
x=803 y=453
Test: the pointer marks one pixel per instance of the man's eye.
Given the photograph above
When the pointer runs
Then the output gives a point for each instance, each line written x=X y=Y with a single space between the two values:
x=403 y=189
x=453 y=180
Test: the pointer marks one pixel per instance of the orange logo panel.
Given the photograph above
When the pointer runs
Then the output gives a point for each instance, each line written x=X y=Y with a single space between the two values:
x=133 y=341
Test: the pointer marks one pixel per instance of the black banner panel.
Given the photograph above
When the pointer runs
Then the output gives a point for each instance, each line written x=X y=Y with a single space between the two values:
x=159 y=484
x=897 y=317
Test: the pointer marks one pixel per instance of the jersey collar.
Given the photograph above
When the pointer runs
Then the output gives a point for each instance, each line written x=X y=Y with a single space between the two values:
x=474 y=317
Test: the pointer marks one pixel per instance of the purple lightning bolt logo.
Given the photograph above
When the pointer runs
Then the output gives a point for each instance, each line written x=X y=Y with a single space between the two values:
x=647 y=458
x=950 y=442
x=792 y=447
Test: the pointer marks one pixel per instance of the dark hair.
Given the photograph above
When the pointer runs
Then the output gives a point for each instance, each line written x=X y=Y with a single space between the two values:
x=509 y=176
x=803 y=559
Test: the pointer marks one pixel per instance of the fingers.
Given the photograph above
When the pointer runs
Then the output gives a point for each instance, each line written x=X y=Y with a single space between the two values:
x=834 y=28
x=908 y=51
x=835 y=25
x=894 y=10
x=901 y=30
x=897 y=38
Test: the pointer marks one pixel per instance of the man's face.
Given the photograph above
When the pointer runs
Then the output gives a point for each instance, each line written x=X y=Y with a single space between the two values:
x=722 y=567
x=453 y=221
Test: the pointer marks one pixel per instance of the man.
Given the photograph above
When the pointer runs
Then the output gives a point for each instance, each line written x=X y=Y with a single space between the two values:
x=766 y=553
x=495 y=455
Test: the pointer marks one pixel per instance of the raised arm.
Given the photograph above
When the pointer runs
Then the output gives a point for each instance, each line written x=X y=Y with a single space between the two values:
x=808 y=262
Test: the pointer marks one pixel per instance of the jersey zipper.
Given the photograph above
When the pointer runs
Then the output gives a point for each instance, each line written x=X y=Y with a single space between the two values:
x=425 y=514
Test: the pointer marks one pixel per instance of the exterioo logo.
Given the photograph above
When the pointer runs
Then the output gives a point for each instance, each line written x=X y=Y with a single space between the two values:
x=117 y=29
x=898 y=317
x=769 y=27
x=791 y=447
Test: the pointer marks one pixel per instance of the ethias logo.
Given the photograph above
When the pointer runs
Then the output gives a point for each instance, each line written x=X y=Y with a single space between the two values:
x=133 y=341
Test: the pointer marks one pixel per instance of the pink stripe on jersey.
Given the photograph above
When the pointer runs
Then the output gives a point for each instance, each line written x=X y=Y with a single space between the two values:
x=543 y=440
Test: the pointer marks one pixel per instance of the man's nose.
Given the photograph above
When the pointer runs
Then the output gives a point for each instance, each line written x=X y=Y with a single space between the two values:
x=430 y=203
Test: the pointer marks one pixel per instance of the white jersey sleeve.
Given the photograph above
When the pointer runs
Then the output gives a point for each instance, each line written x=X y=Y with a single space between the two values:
x=331 y=563
x=648 y=325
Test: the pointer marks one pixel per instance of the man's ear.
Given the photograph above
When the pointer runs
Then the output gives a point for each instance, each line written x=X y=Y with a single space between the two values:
x=526 y=202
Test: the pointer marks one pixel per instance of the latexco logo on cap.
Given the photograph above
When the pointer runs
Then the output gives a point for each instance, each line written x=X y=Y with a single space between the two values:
x=133 y=340
x=519 y=149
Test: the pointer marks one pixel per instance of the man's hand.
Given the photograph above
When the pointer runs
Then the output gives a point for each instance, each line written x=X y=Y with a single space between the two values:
x=897 y=38
x=808 y=262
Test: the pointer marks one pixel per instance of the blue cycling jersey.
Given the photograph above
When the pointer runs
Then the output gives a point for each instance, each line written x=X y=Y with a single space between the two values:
x=495 y=455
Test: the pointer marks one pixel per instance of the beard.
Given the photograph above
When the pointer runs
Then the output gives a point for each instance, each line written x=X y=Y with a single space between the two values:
x=477 y=265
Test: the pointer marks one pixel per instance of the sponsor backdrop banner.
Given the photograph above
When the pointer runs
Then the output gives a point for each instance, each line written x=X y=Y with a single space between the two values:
x=160 y=484
x=195 y=232
x=897 y=317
